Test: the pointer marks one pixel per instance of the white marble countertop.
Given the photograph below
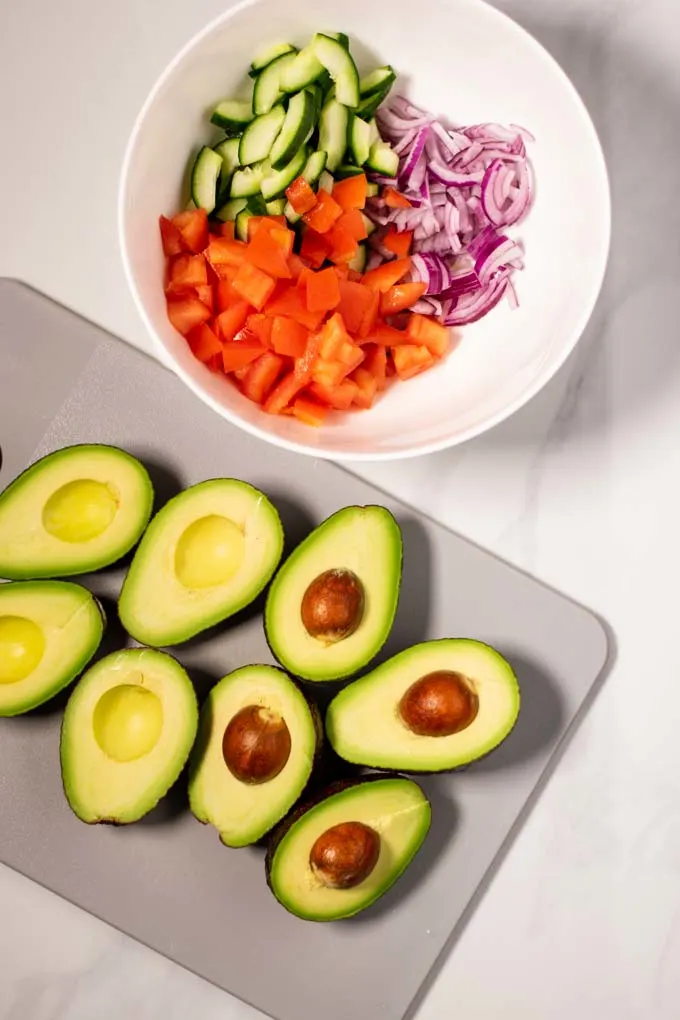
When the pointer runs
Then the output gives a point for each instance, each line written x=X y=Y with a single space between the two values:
x=583 y=918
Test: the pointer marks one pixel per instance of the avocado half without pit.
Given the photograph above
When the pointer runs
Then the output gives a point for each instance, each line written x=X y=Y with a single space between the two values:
x=432 y=708
x=257 y=743
x=49 y=631
x=206 y=554
x=338 y=855
x=76 y=510
x=331 y=606
x=126 y=735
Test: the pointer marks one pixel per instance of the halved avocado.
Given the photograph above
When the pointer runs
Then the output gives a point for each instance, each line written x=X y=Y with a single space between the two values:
x=126 y=735
x=49 y=631
x=257 y=743
x=338 y=855
x=331 y=606
x=431 y=708
x=206 y=554
x=76 y=510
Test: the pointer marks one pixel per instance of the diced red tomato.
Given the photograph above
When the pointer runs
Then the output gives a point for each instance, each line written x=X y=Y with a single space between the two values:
x=226 y=295
x=350 y=193
x=289 y=337
x=355 y=300
x=323 y=291
x=291 y=301
x=343 y=245
x=186 y=313
x=261 y=376
x=334 y=336
x=398 y=242
x=314 y=249
x=206 y=294
x=203 y=342
x=254 y=285
x=241 y=353
x=171 y=237
x=353 y=222
x=301 y=196
x=224 y=251
x=284 y=392
x=232 y=320
x=261 y=326
x=187 y=271
x=264 y=253
x=193 y=226
x=324 y=214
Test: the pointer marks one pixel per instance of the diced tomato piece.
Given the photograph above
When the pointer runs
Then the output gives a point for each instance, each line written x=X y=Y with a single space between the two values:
x=410 y=359
x=232 y=320
x=254 y=285
x=398 y=241
x=187 y=271
x=309 y=411
x=338 y=397
x=367 y=387
x=283 y=393
x=305 y=364
x=324 y=214
x=315 y=248
x=355 y=300
x=193 y=226
x=225 y=294
x=261 y=326
x=240 y=353
x=224 y=251
x=353 y=222
x=296 y=266
x=350 y=193
x=203 y=342
x=401 y=297
x=323 y=292
x=343 y=245
x=291 y=301
x=264 y=253
x=206 y=294
x=301 y=196
x=334 y=336
x=331 y=373
x=223 y=271
x=370 y=315
x=304 y=277
x=227 y=229
x=289 y=337
x=395 y=200
x=425 y=330
x=261 y=376
x=186 y=313
x=388 y=336
x=171 y=237
x=375 y=362
x=387 y=275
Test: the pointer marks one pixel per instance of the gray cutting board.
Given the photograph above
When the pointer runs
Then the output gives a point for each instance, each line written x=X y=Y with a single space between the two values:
x=167 y=881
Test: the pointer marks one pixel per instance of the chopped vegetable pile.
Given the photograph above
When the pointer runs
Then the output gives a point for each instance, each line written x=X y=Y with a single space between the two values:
x=277 y=275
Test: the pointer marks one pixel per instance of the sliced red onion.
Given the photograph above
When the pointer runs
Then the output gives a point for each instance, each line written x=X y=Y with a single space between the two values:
x=407 y=173
x=476 y=305
x=454 y=178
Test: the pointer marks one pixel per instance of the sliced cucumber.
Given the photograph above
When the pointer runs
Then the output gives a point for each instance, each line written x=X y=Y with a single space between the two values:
x=260 y=136
x=342 y=69
x=248 y=181
x=267 y=90
x=241 y=229
x=348 y=170
x=276 y=207
x=290 y=214
x=231 y=209
x=316 y=93
x=380 y=80
x=372 y=190
x=228 y=150
x=326 y=181
x=257 y=205
x=232 y=115
x=369 y=224
x=374 y=134
x=204 y=175
x=297 y=127
x=314 y=167
x=268 y=54
x=359 y=139
x=340 y=36
x=383 y=159
x=369 y=104
x=275 y=183
x=358 y=263
x=333 y=124
x=303 y=70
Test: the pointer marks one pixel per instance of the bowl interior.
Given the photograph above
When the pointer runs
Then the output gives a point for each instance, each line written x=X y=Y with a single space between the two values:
x=468 y=63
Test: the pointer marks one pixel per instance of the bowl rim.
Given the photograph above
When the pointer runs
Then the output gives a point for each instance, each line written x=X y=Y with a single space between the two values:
x=543 y=375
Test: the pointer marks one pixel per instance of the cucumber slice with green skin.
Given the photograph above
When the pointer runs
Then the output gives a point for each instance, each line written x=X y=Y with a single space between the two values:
x=260 y=136
x=369 y=224
x=333 y=125
x=368 y=105
x=347 y=170
x=316 y=92
x=267 y=90
x=359 y=139
x=248 y=181
x=257 y=205
x=230 y=210
x=228 y=150
x=274 y=184
x=372 y=190
x=314 y=167
x=276 y=207
x=358 y=263
x=326 y=181
x=268 y=54
x=342 y=69
x=241 y=229
x=290 y=214
x=297 y=127
x=341 y=37
x=373 y=134
x=380 y=80
x=303 y=70
x=232 y=115
x=383 y=159
x=204 y=175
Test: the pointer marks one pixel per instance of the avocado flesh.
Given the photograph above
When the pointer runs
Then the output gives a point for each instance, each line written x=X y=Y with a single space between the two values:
x=206 y=554
x=49 y=631
x=74 y=511
x=127 y=732
x=365 y=540
x=242 y=813
x=396 y=808
x=364 y=725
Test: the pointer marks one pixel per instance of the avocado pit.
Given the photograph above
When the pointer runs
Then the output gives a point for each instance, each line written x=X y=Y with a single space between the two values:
x=439 y=704
x=22 y=646
x=209 y=552
x=345 y=855
x=127 y=722
x=80 y=511
x=333 y=605
x=256 y=745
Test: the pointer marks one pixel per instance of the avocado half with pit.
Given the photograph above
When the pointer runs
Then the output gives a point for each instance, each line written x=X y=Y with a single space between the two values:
x=206 y=554
x=331 y=606
x=49 y=631
x=76 y=510
x=432 y=708
x=126 y=735
x=338 y=855
x=257 y=744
